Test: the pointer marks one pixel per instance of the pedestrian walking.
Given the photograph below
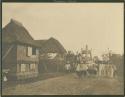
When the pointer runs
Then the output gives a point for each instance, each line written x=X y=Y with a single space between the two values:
x=84 y=69
x=79 y=71
x=111 y=71
x=115 y=71
x=68 y=67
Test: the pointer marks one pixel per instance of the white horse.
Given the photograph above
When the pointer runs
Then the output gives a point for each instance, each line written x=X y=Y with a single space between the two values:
x=81 y=70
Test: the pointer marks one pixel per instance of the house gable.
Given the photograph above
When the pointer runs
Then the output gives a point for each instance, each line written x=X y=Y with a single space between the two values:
x=51 y=46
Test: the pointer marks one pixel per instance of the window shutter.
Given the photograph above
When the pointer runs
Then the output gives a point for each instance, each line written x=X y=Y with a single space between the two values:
x=29 y=51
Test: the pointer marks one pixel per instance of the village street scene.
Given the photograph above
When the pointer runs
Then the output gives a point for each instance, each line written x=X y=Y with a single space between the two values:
x=48 y=52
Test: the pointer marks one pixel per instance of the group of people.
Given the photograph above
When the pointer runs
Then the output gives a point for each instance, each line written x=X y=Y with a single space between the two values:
x=83 y=70
x=108 y=70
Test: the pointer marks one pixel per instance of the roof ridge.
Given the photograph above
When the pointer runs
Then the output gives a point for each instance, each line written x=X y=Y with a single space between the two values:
x=16 y=22
x=40 y=39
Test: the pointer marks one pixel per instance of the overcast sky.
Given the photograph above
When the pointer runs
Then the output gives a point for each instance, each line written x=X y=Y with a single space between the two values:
x=100 y=25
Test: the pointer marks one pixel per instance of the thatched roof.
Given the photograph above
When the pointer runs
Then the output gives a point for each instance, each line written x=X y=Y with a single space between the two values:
x=51 y=46
x=15 y=32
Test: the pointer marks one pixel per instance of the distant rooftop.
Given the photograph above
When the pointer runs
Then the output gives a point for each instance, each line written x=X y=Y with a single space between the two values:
x=51 y=45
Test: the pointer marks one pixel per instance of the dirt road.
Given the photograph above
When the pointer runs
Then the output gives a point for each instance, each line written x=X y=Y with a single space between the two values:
x=68 y=84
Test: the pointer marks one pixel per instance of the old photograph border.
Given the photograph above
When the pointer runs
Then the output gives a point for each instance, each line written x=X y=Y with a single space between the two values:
x=40 y=1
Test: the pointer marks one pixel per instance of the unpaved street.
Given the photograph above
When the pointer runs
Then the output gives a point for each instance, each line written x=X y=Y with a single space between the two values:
x=68 y=85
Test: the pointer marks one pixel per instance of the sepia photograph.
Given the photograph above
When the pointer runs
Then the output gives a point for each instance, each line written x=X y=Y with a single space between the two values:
x=62 y=49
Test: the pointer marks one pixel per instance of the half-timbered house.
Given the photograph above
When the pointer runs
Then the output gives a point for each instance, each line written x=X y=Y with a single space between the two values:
x=20 y=53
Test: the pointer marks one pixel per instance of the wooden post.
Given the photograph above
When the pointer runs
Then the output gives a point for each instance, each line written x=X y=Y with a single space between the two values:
x=57 y=67
x=18 y=68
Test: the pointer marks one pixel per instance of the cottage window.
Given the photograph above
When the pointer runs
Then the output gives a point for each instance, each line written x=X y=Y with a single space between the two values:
x=37 y=52
x=32 y=67
x=33 y=51
x=52 y=55
x=23 y=68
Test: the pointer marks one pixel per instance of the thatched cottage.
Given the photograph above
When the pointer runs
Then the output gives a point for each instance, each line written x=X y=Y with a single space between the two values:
x=52 y=55
x=20 y=53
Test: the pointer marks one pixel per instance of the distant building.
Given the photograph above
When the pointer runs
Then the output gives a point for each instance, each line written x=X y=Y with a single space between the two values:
x=52 y=55
x=19 y=51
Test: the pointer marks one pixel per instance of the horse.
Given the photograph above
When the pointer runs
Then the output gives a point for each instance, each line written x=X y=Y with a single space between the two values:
x=93 y=69
x=81 y=70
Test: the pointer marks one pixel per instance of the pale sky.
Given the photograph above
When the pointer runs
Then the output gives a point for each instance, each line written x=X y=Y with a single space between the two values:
x=100 y=25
